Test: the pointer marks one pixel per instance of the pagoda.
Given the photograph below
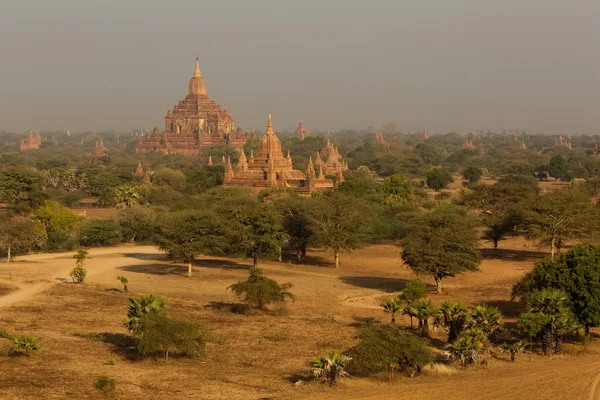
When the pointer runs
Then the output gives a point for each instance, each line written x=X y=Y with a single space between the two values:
x=194 y=122
x=33 y=141
x=100 y=150
x=270 y=168
x=301 y=131
x=330 y=160
x=425 y=134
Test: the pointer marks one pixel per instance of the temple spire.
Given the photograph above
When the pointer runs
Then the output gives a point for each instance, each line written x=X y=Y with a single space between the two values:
x=270 y=126
x=197 y=73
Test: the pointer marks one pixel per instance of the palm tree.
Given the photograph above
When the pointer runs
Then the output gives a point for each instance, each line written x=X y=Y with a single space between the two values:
x=455 y=317
x=140 y=306
x=126 y=196
x=512 y=349
x=554 y=305
x=331 y=366
x=468 y=347
x=393 y=306
x=423 y=310
x=487 y=318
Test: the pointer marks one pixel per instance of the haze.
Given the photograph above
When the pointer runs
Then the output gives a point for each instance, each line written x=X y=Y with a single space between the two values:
x=446 y=65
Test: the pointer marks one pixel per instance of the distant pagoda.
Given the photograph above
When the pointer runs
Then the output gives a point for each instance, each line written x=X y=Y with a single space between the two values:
x=194 y=122
x=31 y=142
x=302 y=132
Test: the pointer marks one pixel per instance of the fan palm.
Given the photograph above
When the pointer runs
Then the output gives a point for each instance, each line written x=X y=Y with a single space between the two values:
x=393 y=306
x=140 y=306
x=487 y=318
x=423 y=310
x=331 y=366
x=468 y=347
x=455 y=317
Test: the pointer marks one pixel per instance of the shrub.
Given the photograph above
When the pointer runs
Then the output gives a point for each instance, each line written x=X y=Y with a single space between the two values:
x=468 y=347
x=24 y=345
x=258 y=290
x=384 y=346
x=124 y=281
x=100 y=233
x=160 y=333
x=105 y=384
x=331 y=366
x=78 y=274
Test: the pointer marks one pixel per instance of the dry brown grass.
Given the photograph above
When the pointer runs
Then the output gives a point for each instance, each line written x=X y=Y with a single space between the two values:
x=261 y=354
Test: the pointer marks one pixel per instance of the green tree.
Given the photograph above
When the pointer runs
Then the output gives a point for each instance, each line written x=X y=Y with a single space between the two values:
x=185 y=234
x=385 y=347
x=472 y=174
x=557 y=167
x=137 y=222
x=437 y=178
x=393 y=306
x=577 y=273
x=331 y=366
x=443 y=243
x=79 y=273
x=340 y=223
x=413 y=290
x=430 y=154
x=55 y=218
x=513 y=349
x=296 y=223
x=22 y=187
x=558 y=216
x=126 y=196
x=139 y=307
x=258 y=290
x=398 y=190
x=21 y=233
x=530 y=324
x=169 y=177
x=423 y=310
x=99 y=233
x=160 y=333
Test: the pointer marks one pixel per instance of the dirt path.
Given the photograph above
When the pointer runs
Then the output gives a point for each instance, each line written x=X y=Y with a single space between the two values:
x=27 y=290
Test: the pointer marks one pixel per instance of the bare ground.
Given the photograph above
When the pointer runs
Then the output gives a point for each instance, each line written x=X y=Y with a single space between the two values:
x=260 y=355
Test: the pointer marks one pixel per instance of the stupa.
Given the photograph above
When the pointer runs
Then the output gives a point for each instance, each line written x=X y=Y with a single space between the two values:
x=32 y=141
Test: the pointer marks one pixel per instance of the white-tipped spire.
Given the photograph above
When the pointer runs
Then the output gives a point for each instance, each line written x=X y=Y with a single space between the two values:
x=197 y=73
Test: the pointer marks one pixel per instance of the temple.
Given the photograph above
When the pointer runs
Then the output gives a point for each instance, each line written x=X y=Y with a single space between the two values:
x=100 y=150
x=194 y=122
x=140 y=174
x=330 y=160
x=468 y=144
x=302 y=132
x=425 y=134
x=271 y=169
x=33 y=141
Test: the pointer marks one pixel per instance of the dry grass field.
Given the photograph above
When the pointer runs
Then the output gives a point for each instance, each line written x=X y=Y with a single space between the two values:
x=261 y=355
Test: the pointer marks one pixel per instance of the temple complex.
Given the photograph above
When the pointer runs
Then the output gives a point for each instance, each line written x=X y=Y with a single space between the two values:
x=562 y=142
x=32 y=141
x=194 y=122
x=140 y=174
x=301 y=131
x=270 y=168
x=330 y=160
x=100 y=150
x=468 y=144
x=425 y=134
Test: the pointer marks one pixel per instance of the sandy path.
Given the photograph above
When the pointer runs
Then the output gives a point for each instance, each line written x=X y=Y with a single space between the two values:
x=27 y=290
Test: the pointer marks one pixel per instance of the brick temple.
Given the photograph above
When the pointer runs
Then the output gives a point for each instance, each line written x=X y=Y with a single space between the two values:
x=301 y=131
x=194 y=122
x=32 y=141
x=271 y=168
x=330 y=160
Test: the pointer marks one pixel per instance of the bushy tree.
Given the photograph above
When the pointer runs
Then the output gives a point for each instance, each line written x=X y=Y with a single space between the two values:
x=22 y=187
x=297 y=224
x=21 y=233
x=385 y=347
x=398 y=190
x=160 y=333
x=55 y=218
x=443 y=243
x=186 y=234
x=137 y=222
x=577 y=273
x=437 y=178
x=259 y=291
x=557 y=167
x=139 y=307
x=99 y=233
x=472 y=174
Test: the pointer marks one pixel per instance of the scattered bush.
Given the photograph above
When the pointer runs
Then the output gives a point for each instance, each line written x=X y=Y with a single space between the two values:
x=24 y=345
x=105 y=385
x=160 y=333
x=124 y=281
x=259 y=291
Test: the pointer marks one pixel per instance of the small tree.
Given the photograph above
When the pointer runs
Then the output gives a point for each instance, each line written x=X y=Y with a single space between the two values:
x=513 y=349
x=557 y=167
x=79 y=273
x=413 y=290
x=139 y=307
x=443 y=243
x=21 y=232
x=124 y=281
x=423 y=310
x=472 y=174
x=437 y=178
x=159 y=333
x=331 y=366
x=24 y=345
x=530 y=324
x=393 y=306
x=259 y=291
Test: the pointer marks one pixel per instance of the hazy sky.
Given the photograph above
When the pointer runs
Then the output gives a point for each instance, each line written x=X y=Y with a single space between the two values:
x=442 y=64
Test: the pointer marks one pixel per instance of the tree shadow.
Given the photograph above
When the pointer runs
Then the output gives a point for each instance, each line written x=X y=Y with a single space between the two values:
x=363 y=321
x=510 y=309
x=220 y=264
x=146 y=256
x=157 y=269
x=294 y=378
x=235 y=308
x=387 y=285
x=124 y=345
x=513 y=255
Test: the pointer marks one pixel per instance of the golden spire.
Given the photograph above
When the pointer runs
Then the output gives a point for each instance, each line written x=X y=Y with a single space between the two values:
x=270 y=126
x=321 y=176
x=197 y=73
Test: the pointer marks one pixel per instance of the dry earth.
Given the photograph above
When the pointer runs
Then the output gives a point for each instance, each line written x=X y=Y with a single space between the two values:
x=260 y=355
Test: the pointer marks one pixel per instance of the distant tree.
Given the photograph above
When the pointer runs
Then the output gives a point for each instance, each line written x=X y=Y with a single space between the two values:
x=184 y=235
x=577 y=273
x=160 y=333
x=21 y=233
x=361 y=184
x=557 y=167
x=99 y=233
x=472 y=174
x=430 y=154
x=413 y=291
x=137 y=222
x=393 y=306
x=443 y=243
x=437 y=178
x=169 y=177
x=22 y=187
x=126 y=196
x=259 y=291
x=558 y=216
x=141 y=306
x=385 y=347
x=340 y=223
x=296 y=223
x=55 y=218
x=398 y=190
x=331 y=366
x=389 y=128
